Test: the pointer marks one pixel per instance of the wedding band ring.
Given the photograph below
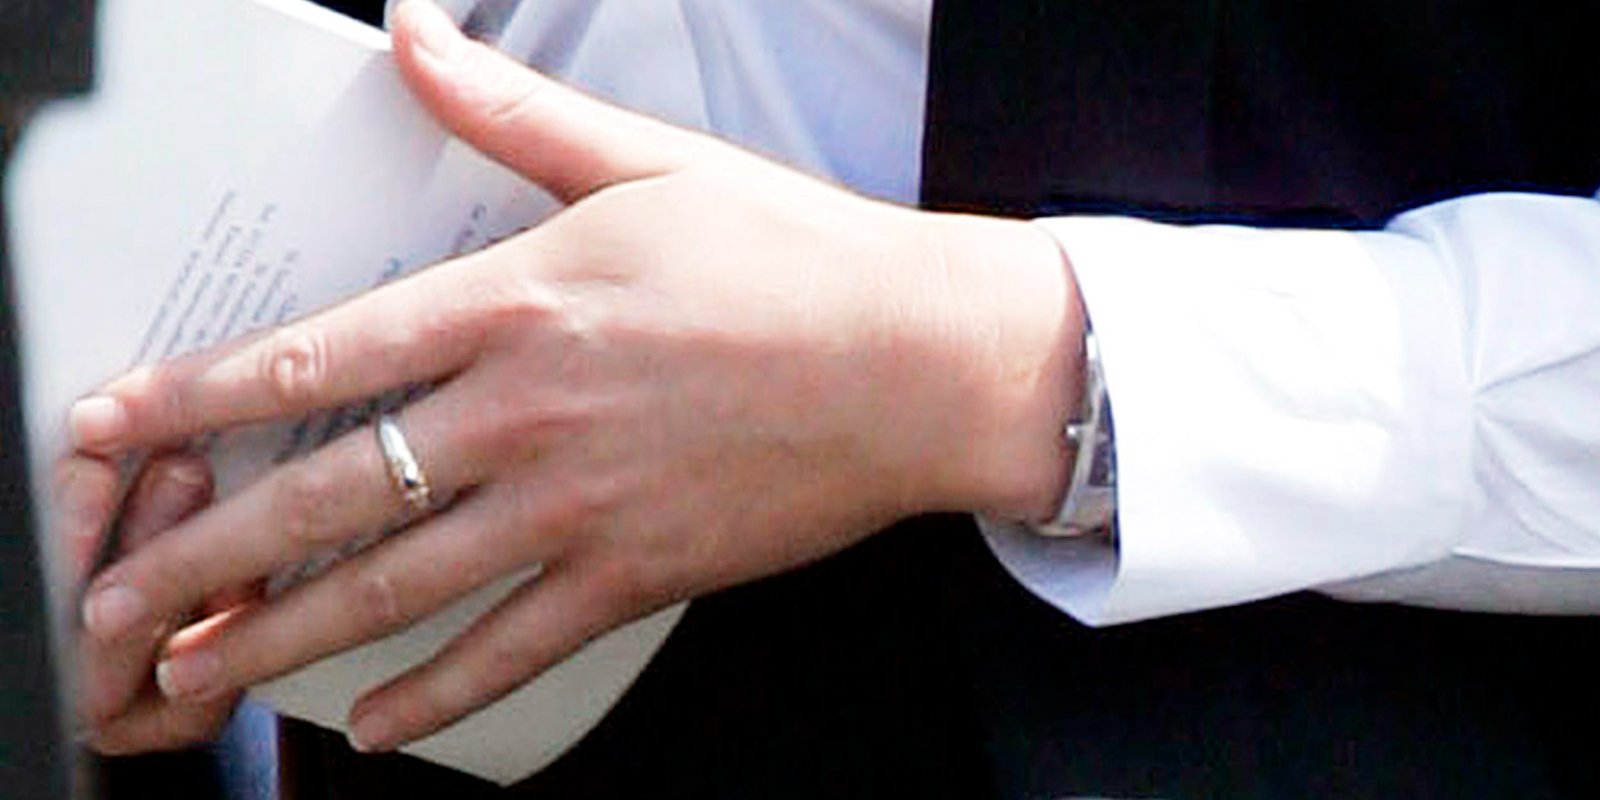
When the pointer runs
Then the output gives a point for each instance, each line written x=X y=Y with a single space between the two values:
x=405 y=472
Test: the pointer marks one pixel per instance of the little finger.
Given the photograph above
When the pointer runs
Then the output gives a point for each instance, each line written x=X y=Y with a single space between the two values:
x=378 y=592
x=541 y=623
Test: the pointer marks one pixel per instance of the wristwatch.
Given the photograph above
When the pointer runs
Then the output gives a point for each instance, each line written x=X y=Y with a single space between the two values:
x=1090 y=505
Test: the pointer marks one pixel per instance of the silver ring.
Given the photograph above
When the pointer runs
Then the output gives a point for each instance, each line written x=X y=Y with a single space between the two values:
x=404 y=469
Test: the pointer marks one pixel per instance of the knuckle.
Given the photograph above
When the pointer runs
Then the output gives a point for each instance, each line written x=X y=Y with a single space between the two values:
x=375 y=601
x=175 y=403
x=294 y=367
x=509 y=308
x=591 y=505
x=525 y=506
x=307 y=500
x=511 y=429
x=552 y=511
x=619 y=587
x=491 y=447
x=505 y=665
x=510 y=98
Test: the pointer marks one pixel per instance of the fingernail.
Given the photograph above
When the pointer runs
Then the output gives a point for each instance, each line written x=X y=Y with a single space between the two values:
x=191 y=676
x=97 y=421
x=433 y=30
x=114 y=611
x=181 y=489
x=188 y=473
x=371 y=733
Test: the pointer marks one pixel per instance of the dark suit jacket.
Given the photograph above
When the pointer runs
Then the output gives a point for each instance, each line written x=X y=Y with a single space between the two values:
x=44 y=52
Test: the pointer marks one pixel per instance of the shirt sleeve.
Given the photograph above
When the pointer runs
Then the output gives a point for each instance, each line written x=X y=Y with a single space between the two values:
x=1404 y=415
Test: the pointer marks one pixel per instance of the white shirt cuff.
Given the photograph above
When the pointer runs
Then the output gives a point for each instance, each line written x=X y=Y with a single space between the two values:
x=1288 y=415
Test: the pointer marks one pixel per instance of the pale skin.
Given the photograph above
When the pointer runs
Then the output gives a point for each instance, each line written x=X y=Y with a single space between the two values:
x=705 y=370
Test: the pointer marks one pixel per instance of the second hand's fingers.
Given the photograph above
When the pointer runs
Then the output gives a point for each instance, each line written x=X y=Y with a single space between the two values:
x=169 y=490
x=543 y=622
x=376 y=593
x=155 y=724
x=327 y=500
x=85 y=500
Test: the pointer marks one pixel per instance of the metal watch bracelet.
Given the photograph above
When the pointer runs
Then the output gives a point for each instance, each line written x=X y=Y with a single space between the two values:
x=1090 y=504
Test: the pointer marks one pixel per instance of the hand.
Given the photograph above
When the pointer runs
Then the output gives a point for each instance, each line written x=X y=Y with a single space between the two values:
x=121 y=710
x=706 y=369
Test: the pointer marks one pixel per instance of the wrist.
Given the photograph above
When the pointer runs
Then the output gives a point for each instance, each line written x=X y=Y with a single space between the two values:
x=1023 y=360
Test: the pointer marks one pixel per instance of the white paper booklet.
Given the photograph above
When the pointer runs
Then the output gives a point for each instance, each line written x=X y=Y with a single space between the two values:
x=242 y=163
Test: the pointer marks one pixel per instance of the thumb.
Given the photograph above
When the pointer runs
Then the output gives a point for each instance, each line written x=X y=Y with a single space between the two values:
x=567 y=142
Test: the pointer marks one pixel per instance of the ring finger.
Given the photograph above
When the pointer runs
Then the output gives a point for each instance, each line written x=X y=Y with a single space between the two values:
x=336 y=495
x=378 y=592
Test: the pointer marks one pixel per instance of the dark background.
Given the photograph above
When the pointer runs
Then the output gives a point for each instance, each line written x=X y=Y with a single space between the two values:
x=43 y=53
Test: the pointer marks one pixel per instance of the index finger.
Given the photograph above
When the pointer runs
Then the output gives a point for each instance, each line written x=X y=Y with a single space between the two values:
x=414 y=330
